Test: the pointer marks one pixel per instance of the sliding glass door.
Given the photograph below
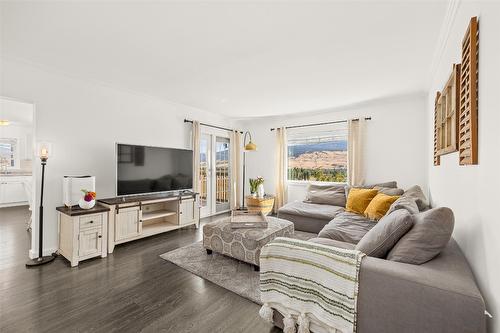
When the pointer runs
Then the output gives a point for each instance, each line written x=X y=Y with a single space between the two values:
x=222 y=176
x=205 y=173
x=215 y=174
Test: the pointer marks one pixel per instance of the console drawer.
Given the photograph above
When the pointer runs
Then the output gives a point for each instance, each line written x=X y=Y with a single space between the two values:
x=90 y=221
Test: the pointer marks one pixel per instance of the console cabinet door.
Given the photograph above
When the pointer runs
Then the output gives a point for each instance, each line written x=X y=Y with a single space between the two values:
x=189 y=211
x=89 y=242
x=127 y=223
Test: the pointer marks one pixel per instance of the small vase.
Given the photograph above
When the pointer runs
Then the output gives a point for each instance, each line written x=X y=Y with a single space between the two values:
x=260 y=191
x=253 y=194
x=86 y=204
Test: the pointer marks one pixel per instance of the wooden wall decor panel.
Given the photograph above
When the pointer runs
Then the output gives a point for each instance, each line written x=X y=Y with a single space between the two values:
x=446 y=117
x=468 y=123
x=437 y=159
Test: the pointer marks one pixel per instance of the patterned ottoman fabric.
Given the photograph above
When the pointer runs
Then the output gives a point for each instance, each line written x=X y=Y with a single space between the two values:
x=243 y=244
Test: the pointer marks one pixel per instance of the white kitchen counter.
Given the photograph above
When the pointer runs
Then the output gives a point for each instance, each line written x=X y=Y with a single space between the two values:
x=15 y=189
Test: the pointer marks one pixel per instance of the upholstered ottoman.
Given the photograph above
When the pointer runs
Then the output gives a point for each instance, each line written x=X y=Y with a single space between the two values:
x=243 y=244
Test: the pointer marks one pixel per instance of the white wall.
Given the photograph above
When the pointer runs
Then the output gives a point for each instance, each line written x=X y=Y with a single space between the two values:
x=472 y=191
x=84 y=119
x=394 y=147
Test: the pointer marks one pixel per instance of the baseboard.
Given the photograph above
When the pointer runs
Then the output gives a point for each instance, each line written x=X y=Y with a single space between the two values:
x=46 y=252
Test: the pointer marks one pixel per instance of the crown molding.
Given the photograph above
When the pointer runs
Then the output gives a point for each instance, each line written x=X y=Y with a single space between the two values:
x=444 y=35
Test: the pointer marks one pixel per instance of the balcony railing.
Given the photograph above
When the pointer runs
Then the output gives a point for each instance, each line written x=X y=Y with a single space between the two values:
x=222 y=183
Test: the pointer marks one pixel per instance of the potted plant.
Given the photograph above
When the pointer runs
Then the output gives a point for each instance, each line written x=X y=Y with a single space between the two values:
x=88 y=200
x=257 y=187
x=253 y=186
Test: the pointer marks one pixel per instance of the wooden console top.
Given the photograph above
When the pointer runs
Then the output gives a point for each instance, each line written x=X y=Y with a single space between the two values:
x=145 y=197
x=77 y=211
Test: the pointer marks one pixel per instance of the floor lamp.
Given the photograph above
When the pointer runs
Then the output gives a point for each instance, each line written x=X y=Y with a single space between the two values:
x=44 y=149
x=250 y=146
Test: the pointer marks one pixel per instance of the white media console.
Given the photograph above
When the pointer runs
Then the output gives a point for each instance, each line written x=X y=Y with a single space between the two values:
x=136 y=217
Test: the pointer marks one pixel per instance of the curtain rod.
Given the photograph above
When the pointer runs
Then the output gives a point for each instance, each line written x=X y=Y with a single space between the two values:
x=213 y=126
x=325 y=123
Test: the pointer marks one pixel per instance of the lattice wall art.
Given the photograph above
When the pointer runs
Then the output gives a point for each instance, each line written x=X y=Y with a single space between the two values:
x=437 y=158
x=456 y=106
x=446 y=111
x=469 y=96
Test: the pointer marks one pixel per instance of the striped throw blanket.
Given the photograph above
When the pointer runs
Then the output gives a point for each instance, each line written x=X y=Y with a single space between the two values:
x=314 y=286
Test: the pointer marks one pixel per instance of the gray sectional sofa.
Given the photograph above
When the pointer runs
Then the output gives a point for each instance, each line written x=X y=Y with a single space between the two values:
x=438 y=295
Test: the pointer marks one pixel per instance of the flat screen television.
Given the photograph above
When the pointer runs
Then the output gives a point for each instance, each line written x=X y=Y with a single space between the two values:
x=143 y=169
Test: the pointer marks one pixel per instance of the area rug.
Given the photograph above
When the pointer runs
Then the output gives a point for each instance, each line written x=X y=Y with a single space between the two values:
x=229 y=273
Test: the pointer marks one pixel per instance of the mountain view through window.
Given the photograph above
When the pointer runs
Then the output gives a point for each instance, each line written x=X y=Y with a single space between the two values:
x=318 y=154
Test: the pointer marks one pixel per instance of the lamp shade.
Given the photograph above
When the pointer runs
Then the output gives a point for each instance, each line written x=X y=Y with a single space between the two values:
x=44 y=150
x=250 y=146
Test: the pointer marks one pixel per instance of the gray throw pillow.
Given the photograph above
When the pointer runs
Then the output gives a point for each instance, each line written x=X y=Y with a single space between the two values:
x=404 y=203
x=389 y=190
x=416 y=193
x=326 y=194
x=429 y=235
x=392 y=184
x=381 y=238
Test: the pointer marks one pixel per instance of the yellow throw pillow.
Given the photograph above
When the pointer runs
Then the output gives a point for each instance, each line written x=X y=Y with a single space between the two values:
x=379 y=206
x=358 y=199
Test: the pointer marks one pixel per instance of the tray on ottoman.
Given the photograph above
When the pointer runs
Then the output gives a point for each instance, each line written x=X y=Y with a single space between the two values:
x=248 y=219
x=243 y=244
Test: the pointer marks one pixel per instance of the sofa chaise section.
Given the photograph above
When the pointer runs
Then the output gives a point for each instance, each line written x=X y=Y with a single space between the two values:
x=440 y=296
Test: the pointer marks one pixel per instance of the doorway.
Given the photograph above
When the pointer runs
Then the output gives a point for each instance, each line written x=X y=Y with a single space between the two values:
x=16 y=179
x=215 y=176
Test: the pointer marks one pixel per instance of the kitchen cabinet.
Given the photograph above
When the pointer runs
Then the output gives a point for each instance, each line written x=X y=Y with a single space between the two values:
x=15 y=190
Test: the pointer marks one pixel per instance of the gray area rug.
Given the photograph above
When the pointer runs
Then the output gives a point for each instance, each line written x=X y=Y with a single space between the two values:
x=229 y=273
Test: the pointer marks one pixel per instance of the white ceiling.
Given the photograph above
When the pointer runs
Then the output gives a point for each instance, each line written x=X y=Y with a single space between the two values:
x=240 y=59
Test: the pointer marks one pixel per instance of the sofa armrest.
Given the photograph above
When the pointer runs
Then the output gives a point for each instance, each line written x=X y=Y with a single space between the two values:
x=438 y=296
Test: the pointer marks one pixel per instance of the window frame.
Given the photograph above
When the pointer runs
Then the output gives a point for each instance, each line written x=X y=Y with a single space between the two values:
x=313 y=130
x=15 y=143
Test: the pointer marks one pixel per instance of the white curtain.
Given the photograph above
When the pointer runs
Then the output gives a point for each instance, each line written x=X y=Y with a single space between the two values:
x=235 y=153
x=355 y=163
x=196 y=136
x=280 y=168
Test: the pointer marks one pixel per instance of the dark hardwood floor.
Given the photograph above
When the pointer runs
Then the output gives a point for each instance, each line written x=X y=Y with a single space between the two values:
x=131 y=290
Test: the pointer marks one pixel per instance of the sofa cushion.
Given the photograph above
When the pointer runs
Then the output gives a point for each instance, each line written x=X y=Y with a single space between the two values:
x=347 y=227
x=331 y=242
x=389 y=190
x=379 y=206
x=416 y=193
x=326 y=194
x=381 y=238
x=299 y=208
x=406 y=203
x=391 y=184
x=359 y=199
x=429 y=235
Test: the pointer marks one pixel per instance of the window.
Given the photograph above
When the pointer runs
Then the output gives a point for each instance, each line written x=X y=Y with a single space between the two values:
x=318 y=153
x=8 y=153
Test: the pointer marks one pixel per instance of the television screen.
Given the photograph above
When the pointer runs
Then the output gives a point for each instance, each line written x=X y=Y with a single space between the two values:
x=142 y=169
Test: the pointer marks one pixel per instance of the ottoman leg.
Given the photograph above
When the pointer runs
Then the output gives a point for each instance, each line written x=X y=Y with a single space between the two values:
x=209 y=251
x=256 y=268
